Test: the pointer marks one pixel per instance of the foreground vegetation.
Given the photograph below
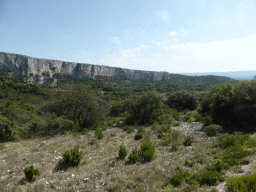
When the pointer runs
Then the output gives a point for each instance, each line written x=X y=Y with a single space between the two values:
x=89 y=136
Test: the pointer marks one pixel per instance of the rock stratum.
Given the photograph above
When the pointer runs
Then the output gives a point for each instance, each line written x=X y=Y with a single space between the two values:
x=41 y=69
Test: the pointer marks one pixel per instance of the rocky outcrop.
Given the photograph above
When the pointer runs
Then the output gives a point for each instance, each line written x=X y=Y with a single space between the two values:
x=41 y=69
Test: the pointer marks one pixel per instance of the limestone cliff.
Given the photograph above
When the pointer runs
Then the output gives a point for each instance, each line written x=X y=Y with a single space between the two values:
x=45 y=68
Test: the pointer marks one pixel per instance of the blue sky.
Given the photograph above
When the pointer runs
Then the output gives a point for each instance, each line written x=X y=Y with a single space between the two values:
x=177 y=36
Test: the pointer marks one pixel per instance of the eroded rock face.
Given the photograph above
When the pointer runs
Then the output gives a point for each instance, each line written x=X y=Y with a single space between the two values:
x=45 y=68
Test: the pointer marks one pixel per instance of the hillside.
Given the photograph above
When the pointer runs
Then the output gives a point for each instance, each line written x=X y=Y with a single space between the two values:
x=73 y=134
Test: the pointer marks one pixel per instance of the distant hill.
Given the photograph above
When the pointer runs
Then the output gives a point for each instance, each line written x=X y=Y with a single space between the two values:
x=238 y=75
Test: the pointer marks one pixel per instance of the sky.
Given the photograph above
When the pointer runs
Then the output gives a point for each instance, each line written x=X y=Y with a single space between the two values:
x=177 y=36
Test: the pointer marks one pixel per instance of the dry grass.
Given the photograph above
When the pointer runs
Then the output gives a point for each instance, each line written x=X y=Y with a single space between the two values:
x=100 y=169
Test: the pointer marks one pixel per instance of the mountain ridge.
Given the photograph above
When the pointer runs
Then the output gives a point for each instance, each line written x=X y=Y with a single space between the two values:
x=41 y=69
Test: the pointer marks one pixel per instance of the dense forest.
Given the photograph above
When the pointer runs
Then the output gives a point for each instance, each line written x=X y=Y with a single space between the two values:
x=226 y=108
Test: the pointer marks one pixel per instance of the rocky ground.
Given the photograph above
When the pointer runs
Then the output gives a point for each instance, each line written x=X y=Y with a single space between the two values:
x=100 y=169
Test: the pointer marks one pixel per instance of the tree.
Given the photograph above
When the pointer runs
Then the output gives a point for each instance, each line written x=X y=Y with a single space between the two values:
x=79 y=104
x=146 y=110
x=182 y=101
x=232 y=106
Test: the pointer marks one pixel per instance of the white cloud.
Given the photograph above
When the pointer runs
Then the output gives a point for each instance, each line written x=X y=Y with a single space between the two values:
x=173 y=33
x=79 y=56
x=127 y=53
x=144 y=46
x=163 y=15
x=115 y=40
x=229 y=55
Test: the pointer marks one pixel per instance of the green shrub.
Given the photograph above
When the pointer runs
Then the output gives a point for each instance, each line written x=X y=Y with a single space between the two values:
x=98 y=133
x=166 y=140
x=245 y=183
x=207 y=120
x=188 y=141
x=209 y=177
x=227 y=140
x=138 y=136
x=191 y=119
x=234 y=155
x=176 y=123
x=128 y=129
x=122 y=152
x=5 y=130
x=147 y=151
x=182 y=101
x=9 y=102
x=146 y=110
x=135 y=156
x=212 y=130
x=174 y=147
x=189 y=163
x=141 y=130
x=72 y=157
x=179 y=176
x=232 y=106
x=30 y=172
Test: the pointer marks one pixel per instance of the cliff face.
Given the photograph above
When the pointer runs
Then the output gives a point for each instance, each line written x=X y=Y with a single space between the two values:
x=42 y=69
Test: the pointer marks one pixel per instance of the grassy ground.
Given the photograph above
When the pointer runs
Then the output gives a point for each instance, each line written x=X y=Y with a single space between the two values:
x=100 y=168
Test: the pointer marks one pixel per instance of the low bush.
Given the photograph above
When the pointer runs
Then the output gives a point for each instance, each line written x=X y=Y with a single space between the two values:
x=191 y=119
x=72 y=157
x=147 y=151
x=207 y=120
x=135 y=156
x=179 y=176
x=138 y=136
x=245 y=183
x=234 y=155
x=122 y=152
x=30 y=172
x=188 y=141
x=182 y=101
x=6 y=133
x=128 y=129
x=209 y=176
x=227 y=140
x=212 y=130
x=98 y=133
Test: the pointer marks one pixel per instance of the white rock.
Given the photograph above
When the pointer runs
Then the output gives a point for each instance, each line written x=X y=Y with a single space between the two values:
x=86 y=179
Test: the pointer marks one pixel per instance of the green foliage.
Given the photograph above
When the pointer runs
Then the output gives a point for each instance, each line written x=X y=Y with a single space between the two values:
x=209 y=177
x=212 y=130
x=98 y=133
x=245 y=183
x=191 y=119
x=122 y=152
x=234 y=155
x=128 y=129
x=232 y=106
x=30 y=172
x=146 y=110
x=207 y=120
x=182 y=101
x=145 y=154
x=147 y=151
x=228 y=140
x=179 y=176
x=138 y=136
x=235 y=146
x=135 y=156
x=5 y=130
x=79 y=104
x=72 y=157
x=188 y=140
x=9 y=102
